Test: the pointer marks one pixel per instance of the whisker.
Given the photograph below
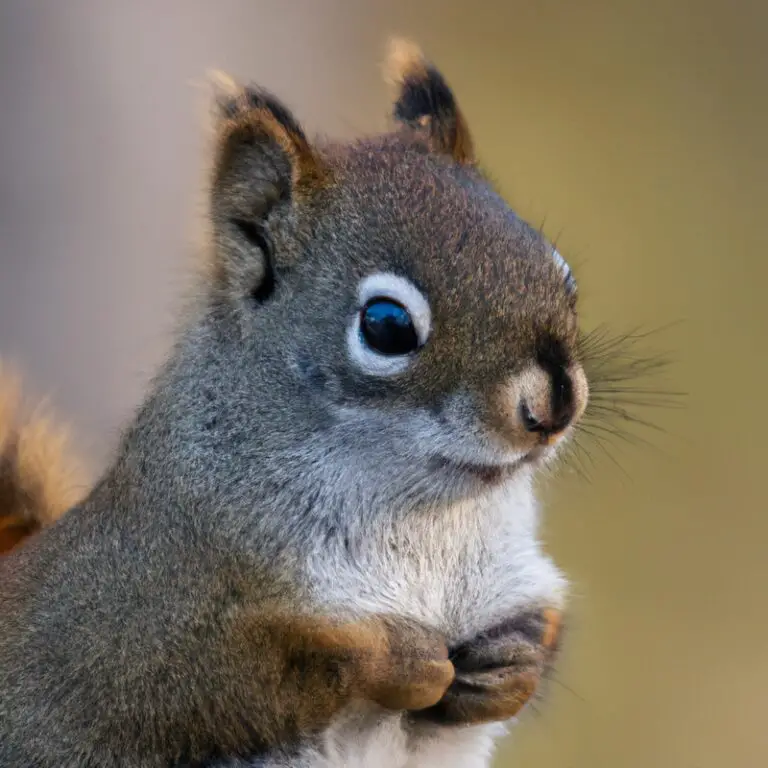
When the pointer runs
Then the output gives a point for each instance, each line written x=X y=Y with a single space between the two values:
x=601 y=443
x=575 y=451
x=570 y=690
x=628 y=437
x=626 y=390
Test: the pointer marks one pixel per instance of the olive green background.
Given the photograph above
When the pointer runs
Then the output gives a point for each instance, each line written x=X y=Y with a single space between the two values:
x=636 y=130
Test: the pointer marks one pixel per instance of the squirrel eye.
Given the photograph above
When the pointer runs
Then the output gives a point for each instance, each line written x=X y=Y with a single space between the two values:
x=390 y=323
x=387 y=327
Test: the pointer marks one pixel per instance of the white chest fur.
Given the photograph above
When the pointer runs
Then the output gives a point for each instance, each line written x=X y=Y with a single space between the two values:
x=461 y=570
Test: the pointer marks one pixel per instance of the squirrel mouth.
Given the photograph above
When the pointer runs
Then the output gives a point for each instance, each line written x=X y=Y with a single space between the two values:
x=486 y=473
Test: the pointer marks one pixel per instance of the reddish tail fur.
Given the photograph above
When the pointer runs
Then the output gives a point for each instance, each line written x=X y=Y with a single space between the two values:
x=40 y=477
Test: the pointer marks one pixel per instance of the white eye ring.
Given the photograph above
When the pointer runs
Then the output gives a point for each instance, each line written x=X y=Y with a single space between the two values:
x=563 y=266
x=387 y=285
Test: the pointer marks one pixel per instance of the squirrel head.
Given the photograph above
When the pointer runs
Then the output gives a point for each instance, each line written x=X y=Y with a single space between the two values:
x=376 y=314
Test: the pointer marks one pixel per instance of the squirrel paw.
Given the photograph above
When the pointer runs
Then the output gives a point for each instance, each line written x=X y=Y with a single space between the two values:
x=417 y=671
x=498 y=672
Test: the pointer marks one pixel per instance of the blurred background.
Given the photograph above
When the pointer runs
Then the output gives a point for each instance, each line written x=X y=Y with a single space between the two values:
x=635 y=130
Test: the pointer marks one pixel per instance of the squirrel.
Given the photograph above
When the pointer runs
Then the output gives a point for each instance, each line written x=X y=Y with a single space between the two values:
x=317 y=542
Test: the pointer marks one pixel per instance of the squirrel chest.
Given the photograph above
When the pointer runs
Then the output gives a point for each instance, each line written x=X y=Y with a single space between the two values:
x=459 y=569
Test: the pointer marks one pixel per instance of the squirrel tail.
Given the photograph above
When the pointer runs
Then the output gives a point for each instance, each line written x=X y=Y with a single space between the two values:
x=40 y=476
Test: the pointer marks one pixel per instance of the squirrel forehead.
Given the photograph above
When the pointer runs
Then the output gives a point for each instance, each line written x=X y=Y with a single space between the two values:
x=437 y=221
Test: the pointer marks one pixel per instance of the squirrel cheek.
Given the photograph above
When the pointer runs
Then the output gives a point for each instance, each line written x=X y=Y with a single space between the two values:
x=310 y=373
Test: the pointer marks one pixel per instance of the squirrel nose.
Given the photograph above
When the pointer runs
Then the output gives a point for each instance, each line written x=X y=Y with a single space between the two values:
x=545 y=425
x=553 y=419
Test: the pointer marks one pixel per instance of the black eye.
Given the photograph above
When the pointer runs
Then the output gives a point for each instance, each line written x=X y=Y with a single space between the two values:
x=387 y=328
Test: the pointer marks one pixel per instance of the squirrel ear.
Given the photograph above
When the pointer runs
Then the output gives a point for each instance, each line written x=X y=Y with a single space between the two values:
x=261 y=152
x=425 y=103
x=262 y=161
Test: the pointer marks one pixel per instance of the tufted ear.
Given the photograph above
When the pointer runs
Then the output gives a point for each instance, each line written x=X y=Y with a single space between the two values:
x=263 y=167
x=425 y=103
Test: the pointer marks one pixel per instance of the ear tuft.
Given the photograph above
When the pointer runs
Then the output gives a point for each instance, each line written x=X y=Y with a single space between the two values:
x=404 y=60
x=425 y=103
x=224 y=89
x=248 y=117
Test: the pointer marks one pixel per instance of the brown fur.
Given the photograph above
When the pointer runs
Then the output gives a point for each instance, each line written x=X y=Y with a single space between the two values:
x=40 y=476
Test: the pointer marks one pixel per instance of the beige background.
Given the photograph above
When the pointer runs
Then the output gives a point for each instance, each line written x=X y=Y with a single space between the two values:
x=637 y=129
